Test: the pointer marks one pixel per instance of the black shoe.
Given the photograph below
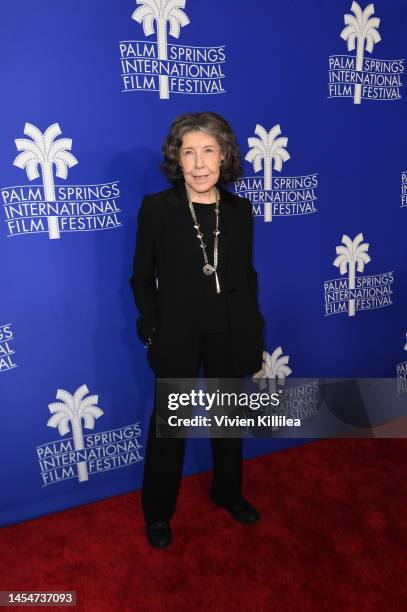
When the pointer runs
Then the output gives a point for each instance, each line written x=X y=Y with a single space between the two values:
x=241 y=510
x=159 y=534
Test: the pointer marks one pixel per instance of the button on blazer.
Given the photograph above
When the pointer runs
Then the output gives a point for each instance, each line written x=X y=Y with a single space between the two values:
x=166 y=273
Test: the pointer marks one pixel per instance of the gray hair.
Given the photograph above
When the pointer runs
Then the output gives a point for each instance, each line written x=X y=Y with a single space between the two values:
x=209 y=123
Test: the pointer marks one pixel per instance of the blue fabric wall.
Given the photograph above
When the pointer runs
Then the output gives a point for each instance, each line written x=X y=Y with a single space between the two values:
x=84 y=72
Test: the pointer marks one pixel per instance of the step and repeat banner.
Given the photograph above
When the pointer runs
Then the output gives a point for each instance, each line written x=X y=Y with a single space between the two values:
x=315 y=93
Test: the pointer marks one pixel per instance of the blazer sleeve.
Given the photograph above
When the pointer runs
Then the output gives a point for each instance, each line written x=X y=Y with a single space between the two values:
x=143 y=279
x=252 y=280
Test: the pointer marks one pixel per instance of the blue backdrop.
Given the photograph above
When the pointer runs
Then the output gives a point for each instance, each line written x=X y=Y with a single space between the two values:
x=316 y=95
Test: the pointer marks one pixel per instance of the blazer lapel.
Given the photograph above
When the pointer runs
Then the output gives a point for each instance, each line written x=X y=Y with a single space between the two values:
x=231 y=224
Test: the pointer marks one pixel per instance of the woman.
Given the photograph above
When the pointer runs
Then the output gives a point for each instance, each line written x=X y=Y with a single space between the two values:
x=196 y=290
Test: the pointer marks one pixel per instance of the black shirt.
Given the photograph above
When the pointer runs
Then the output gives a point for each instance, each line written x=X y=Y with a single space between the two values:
x=212 y=311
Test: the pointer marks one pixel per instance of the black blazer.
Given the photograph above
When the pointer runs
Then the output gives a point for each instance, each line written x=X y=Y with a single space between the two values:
x=167 y=252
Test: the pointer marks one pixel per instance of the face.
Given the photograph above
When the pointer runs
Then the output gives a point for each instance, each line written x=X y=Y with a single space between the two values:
x=200 y=156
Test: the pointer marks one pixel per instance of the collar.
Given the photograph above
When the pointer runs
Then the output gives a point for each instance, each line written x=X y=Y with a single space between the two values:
x=178 y=195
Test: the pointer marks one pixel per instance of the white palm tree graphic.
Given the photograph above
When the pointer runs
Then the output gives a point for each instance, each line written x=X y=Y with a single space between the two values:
x=45 y=152
x=72 y=409
x=161 y=11
x=352 y=256
x=405 y=346
x=273 y=366
x=264 y=150
x=360 y=28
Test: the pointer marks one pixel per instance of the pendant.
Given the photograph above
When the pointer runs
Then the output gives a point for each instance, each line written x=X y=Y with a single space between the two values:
x=217 y=283
x=208 y=269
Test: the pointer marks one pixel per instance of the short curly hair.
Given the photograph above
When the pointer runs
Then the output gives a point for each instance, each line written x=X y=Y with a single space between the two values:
x=210 y=123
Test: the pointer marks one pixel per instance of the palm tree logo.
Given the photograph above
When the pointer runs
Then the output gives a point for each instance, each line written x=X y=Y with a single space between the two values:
x=361 y=31
x=274 y=366
x=44 y=152
x=72 y=409
x=161 y=11
x=405 y=346
x=265 y=150
x=352 y=255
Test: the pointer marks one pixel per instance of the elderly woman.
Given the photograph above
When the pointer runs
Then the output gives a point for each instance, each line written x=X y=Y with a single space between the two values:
x=196 y=290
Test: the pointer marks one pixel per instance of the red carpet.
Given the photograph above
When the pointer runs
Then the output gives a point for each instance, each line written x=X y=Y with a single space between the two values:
x=332 y=537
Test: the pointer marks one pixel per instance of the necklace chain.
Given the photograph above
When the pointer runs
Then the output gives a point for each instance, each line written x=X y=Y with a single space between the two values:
x=207 y=268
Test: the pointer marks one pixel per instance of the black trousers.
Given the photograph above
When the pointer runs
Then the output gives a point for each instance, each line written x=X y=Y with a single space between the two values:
x=164 y=457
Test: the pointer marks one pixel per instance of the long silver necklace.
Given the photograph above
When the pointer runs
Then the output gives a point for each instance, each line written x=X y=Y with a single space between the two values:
x=207 y=268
